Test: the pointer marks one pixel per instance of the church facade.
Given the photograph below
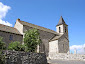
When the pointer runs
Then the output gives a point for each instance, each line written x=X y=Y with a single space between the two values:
x=52 y=41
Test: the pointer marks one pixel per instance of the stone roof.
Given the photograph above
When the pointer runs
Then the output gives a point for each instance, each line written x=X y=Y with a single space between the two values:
x=9 y=29
x=37 y=27
x=61 y=21
x=56 y=37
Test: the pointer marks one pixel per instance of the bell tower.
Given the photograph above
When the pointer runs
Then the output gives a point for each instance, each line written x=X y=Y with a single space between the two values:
x=62 y=27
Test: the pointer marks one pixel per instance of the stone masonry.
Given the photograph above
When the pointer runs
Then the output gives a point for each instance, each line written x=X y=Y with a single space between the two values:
x=64 y=56
x=6 y=37
x=19 y=57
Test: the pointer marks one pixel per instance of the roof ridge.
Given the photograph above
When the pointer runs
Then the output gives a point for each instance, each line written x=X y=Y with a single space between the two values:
x=7 y=26
x=39 y=26
x=9 y=29
x=56 y=37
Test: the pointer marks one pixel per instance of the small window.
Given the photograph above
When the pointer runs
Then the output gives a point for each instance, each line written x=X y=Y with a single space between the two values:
x=65 y=29
x=59 y=29
x=11 y=37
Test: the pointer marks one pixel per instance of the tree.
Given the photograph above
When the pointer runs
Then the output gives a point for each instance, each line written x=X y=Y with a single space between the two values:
x=32 y=39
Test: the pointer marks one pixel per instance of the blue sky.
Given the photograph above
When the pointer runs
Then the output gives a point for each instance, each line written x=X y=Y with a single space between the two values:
x=46 y=13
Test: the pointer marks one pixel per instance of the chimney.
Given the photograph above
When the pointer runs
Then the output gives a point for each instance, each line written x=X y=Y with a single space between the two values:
x=18 y=19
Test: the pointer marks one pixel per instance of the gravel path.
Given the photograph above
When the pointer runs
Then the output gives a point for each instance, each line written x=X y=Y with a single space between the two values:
x=65 y=62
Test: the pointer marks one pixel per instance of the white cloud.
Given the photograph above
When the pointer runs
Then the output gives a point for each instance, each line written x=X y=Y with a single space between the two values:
x=3 y=11
x=81 y=51
x=75 y=47
x=80 y=48
x=5 y=23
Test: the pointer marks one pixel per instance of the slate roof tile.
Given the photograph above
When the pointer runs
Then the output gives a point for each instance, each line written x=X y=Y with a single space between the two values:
x=9 y=29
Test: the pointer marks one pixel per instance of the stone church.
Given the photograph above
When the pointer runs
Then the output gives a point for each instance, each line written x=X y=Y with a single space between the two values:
x=52 y=41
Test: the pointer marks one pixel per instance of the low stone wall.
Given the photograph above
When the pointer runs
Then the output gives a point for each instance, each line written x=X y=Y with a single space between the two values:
x=18 y=57
x=65 y=56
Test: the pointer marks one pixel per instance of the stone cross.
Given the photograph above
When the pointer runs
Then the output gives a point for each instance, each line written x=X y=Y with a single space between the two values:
x=75 y=51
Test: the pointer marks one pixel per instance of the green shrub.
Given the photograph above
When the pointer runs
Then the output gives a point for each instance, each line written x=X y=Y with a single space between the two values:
x=31 y=40
x=2 y=44
x=2 y=47
x=2 y=58
x=17 y=46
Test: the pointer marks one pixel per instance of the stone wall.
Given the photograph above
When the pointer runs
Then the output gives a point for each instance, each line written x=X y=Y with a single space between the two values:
x=53 y=46
x=18 y=57
x=65 y=56
x=6 y=37
x=63 y=44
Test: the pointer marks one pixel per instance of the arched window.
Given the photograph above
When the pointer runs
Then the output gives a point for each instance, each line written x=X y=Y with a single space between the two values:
x=59 y=29
x=65 y=29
